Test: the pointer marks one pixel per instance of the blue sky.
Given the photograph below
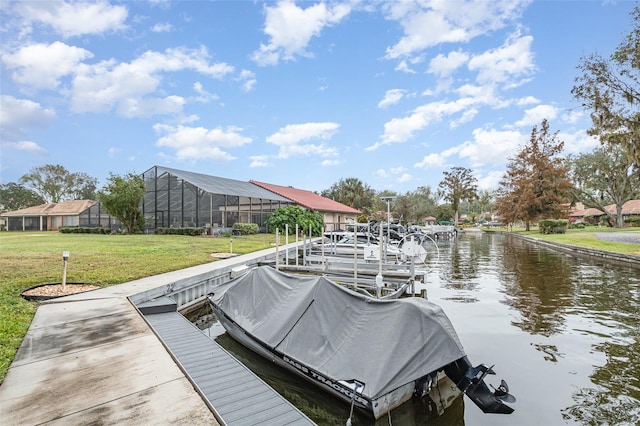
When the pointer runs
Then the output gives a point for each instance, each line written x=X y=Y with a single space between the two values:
x=294 y=93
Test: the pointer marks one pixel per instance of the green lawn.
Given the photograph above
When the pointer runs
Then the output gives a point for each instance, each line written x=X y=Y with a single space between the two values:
x=32 y=258
x=587 y=238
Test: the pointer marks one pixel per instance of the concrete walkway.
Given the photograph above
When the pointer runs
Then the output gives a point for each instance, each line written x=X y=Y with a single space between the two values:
x=90 y=358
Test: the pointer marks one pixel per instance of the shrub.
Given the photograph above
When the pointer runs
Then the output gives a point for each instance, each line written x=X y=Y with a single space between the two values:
x=577 y=226
x=553 y=226
x=246 y=228
x=83 y=230
x=633 y=221
x=193 y=232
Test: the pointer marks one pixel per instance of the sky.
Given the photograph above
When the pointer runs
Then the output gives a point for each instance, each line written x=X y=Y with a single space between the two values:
x=294 y=93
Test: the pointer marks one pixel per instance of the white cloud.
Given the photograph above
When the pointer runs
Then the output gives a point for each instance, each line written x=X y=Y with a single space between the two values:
x=289 y=137
x=108 y=85
x=26 y=146
x=204 y=96
x=259 y=161
x=196 y=143
x=578 y=142
x=294 y=133
x=445 y=65
x=18 y=116
x=399 y=130
x=248 y=80
x=490 y=146
x=41 y=66
x=513 y=59
x=290 y=29
x=329 y=163
x=433 y=160
x=162 y=28
x=74 y=18
x=426 y=24
x=534 y=116
x=490 y=181
x=391 y=97
x=405 y=177
x=572 y=117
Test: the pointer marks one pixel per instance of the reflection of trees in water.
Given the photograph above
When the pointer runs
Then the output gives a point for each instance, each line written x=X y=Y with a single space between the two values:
x=611 y=299
x=537 y=283
x=462 y=261
x=546 y=288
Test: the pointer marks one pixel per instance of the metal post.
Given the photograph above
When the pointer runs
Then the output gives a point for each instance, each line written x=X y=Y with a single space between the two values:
x=277 y=247
x=286 y=243
x=65 y=258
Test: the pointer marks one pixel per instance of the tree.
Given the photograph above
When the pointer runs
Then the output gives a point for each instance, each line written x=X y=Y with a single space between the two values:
x=536 y=183
x=444 y=213
x=415 y=205
x=54 y=183
x=292 y=215
x=14 y=196
x=603 y=177
x=458 y=184
x=351 y=192
x=611 y=91
x=122 y=198
x=483 y=205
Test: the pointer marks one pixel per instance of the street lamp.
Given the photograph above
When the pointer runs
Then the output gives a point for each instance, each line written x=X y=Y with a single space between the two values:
x=388 y=200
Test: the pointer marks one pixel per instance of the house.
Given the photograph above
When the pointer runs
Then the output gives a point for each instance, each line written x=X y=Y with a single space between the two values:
x=335 y=214
x=47 y=217
x=181 y=199
x=593 y=215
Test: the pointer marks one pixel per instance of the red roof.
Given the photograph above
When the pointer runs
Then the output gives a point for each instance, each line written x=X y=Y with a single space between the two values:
x=631 y=207
x=307 y=198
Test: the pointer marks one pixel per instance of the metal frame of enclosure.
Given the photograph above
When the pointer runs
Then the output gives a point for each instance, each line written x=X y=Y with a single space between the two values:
x=180 y=199
x=96 y=217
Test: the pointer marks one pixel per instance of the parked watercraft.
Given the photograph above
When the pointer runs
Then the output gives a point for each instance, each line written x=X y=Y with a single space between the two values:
x=375 y=354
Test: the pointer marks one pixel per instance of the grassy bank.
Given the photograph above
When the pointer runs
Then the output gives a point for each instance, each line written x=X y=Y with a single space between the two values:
x=587 y=238
x=29 y=259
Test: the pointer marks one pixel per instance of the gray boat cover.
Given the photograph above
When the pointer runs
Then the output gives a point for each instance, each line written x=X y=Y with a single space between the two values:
x=340 y=333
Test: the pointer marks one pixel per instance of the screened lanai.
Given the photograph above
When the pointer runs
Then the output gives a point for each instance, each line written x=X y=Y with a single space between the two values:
x=180 y=199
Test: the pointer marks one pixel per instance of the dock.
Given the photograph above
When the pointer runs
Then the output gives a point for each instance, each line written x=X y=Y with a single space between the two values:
x=95 y=358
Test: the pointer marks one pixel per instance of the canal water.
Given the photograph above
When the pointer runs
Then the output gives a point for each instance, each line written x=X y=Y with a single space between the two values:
x=563 y=331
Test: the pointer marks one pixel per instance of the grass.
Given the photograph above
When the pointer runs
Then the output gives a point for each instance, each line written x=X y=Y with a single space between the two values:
x=32 y=258
x=587 y=238
x=29 y=259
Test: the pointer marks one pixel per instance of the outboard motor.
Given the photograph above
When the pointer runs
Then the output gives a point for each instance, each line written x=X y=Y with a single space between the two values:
x=470 y=380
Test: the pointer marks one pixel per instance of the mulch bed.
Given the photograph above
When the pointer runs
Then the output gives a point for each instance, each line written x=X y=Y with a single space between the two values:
x=223 y=255
x=56 y=290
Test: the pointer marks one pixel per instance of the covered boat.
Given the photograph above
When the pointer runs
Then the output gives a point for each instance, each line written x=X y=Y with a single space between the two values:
x=375 y=354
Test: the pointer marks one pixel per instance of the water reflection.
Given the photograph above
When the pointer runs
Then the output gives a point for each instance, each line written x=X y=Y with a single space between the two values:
x=563 y=331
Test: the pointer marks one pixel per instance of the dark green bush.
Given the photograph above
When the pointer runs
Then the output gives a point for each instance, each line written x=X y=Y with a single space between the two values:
x=633 y=221
x=246 y=228
x=553 y=226
x=83 y=230
x=577 y=226
x=193 y=232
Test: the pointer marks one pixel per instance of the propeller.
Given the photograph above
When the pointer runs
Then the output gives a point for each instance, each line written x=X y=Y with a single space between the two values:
x=502 y=392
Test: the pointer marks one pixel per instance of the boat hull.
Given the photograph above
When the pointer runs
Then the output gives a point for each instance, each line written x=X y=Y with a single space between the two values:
x=373 y=407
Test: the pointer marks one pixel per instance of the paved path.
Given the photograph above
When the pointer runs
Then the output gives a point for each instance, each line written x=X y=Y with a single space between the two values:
x=631 y=237
x=90 y=358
